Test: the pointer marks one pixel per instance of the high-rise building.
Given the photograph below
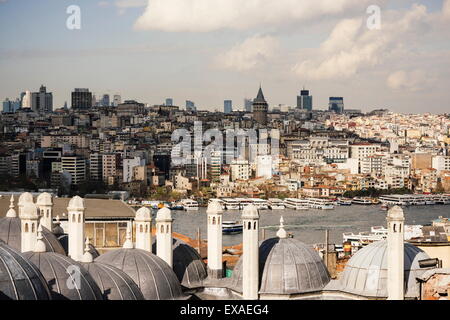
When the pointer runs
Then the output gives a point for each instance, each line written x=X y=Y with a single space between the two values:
x=260 y=108
x=169 y=102
x=228 y=106
x=304 y=100
x=81 y=99
x=42 y=101
x=248 y=105
x=26 y=100
x=117 y=100
x=105 y=101
x=76 y=166
x=336 y=104
x=6 y=106
x=190 y=106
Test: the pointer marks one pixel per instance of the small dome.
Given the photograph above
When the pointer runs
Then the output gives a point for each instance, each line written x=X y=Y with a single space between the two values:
x=11 y=234
x=153 y=275
x=250 y=212
x=59 y=271
x=187 y=264
x=396 y=213
x=143 y=214
x=365 y=274
x=214 y=207
x=287 y=267
x=29 y=211
x=25 y=198
x=44 y=199
x=164 y=214
x=113 y=283
x=76 y=203
x=19 y=278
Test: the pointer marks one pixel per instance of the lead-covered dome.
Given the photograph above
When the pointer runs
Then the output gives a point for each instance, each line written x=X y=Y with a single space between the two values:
x=11 y=234
x=44 y=199
x=66 y=278
x=187 y=264
x=113 y=283
x=153 y=275
x=286 y=267
x=19 y=278
x=366 y=272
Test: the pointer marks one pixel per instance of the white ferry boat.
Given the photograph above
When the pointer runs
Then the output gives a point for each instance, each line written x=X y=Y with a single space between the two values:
x=232 y=227
x=344 y=202
x=231 y=204
x=397 y=200
x=362 y=201
x=322 y=204
x=276 y=204
x=243 y=202
x=189 y=205
x=297 y=204
x=260 y=204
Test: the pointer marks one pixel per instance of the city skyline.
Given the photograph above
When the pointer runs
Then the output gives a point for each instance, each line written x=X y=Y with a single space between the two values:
x=402 y=67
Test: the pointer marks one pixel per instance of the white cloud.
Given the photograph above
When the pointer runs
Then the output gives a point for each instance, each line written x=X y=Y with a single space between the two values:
x=352 y=47
x=248 y=55
x=415 y=80
x=446 y=9
x=210 y=15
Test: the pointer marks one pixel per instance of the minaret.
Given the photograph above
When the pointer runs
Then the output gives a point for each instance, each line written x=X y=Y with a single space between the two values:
x=75 y=213
x=250 y=264
x=282 y=234
x=87 y=256
x=214 y=212
x=395 y=246
x=143 y=221
x=11 y=212
x=164 y=235
x=39 y=246
x=128 y=244
x=45 y=205
x=29 y=217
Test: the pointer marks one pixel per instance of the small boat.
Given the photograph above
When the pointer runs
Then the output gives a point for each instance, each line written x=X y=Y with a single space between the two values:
x=232 y=227
x=189 y=205
x=344 y=202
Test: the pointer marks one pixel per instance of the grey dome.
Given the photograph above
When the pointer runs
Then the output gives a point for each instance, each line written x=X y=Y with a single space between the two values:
x=56 y=268
x=19 y=278
x=153 y=275
x=286 y=267
x=64 y=242
x=366 y=272
x=11 y=234
x=113 y=283
x=187 y=264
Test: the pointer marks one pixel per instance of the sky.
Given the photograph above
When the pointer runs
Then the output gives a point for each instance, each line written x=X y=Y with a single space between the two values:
x=209 y=51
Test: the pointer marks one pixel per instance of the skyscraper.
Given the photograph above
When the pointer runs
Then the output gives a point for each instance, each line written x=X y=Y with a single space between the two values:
x=42 y=101
x=228 y=106
x=26 y=100
x=304 y=100
x=169 y=102
x=248 y=105
x=81 y=99
x=260 y=108
x=105 y=100
x=190 y=106
x=117 y=100
x=336 y=104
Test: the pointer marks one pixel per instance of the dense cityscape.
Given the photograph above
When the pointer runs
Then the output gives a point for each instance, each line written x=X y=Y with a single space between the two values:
x=329 y=180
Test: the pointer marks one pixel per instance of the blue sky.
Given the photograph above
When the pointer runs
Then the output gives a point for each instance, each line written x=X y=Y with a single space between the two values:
x=209 y=56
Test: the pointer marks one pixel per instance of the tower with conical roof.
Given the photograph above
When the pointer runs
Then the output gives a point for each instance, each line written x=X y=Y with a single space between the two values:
x=260 y=108
x=250 y=255
x=214 y=212
x=164 y=235
x=395 y=253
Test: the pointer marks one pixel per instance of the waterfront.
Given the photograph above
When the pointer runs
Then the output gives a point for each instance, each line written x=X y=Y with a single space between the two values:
x=309 y=225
